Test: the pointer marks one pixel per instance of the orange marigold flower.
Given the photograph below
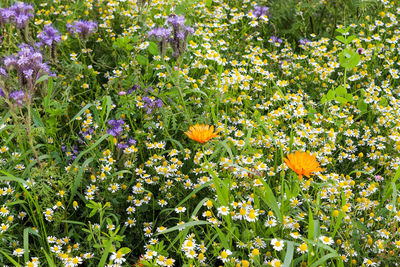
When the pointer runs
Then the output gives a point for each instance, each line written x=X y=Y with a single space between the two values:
x=201 y=133
x=302 y=163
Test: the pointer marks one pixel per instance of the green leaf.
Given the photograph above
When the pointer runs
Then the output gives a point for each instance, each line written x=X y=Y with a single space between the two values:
x=311 y=112
x=340 y=91
x=208 y=3
x=341 y=30
x=350 y=38
x=153 y=48
x=341 y=39
x=330 y=95
x=361 y=105
x=349 y=97
x=383 y=102
x=341 y=100
x=349 y=59
x=42 y=78
x=142 y=60
x=124 y=250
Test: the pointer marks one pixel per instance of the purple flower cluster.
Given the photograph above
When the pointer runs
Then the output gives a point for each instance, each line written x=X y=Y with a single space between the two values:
x=49 y=36
x=304 y=41
x=115 y=127
x=123 y=145
x=19 y=14
x=18 y=96
x=159 y=33
x=151 y=104
x=178 y=39
x=260 y=11
x=73 y=153
x=180 y=34
x=275 y=39
x=29 y=66
x=82 y=28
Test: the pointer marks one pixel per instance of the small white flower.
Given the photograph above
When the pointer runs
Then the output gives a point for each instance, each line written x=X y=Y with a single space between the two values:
x=277 y=244
x=180 y=209
x=326 y=240
x=223 y=210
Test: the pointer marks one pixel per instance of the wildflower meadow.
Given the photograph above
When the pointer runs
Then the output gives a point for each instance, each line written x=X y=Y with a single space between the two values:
x=199 y=133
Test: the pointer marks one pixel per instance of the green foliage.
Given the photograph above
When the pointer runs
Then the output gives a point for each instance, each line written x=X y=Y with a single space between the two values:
x=298 y=19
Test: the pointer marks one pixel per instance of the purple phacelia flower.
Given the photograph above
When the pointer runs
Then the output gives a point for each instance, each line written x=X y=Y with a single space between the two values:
x=20 y=13
x=132 y=142
x=134 y=88
x=29 y=66
x=160 y=33
x=260 y=11
x=3 y=72
x=180 y=34
x=178 y=38
x=304 y=41
x=275 y=39
x=2 y=92
x=5 y=16
x=82 y=28
x=49 y=36
x=176 y=21
x=17 y=96
x=151 y=104
x=122 y=145
x=116 y=127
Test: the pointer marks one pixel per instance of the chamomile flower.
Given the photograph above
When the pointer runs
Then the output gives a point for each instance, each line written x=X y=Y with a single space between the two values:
x=326 y=240
x=277 y=244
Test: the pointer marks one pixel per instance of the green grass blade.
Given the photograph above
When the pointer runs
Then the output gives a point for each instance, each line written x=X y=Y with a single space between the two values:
x=103 y=259
x=289 y=254
x=194 y=192
x=183 y=226
x=50 y=261
x=16 y=264
x=91 y=148
x=80 y=112
x=78 y=180
x=26 y=244
x=324 y=259
x=269 y=198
